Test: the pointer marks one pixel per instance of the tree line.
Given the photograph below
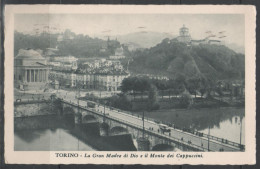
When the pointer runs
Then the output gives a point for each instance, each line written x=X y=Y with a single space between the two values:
x=175 y=86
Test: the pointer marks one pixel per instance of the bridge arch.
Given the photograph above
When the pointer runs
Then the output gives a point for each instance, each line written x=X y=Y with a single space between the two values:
x=89 y=119
x=163 y=147
x=118 y=130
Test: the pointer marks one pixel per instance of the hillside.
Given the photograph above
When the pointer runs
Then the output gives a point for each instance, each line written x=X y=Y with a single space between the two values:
x=81 y=46
x=171 y=58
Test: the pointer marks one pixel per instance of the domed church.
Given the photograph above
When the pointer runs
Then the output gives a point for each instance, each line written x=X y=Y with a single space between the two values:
x=30 y=70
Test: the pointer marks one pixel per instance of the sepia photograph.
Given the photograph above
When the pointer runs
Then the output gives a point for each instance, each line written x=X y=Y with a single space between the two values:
x=129 y=82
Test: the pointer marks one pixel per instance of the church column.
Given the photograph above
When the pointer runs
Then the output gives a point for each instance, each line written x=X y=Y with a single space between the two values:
x=39 y=72
x=46 y=75
x=25 y=75
x=43 y=75
x=37 y=75
x=34 y=75
x=30 y=75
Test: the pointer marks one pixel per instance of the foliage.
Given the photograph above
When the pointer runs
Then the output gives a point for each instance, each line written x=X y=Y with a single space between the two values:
x=72 y=44
x=171 y=57
x=122 y=102
x=139 y=84
x=153 y=98
x=185 y=100
x=43 y=41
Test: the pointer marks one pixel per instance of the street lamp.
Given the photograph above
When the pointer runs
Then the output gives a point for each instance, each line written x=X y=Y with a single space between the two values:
x=208 y=137
x=143 y=123
x=104 y=114
x=240 y=131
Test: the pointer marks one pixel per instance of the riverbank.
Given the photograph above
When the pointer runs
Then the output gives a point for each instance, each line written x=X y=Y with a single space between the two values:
x=47 y=121
x=23 y=110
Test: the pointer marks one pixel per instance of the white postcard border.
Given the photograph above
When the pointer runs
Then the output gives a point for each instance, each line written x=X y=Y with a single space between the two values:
x=49 y=157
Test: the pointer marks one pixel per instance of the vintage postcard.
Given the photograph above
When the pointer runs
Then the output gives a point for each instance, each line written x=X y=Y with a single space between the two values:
x=115 y=84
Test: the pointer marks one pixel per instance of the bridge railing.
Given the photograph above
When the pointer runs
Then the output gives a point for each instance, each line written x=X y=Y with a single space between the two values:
x=171 y=138
x=222 y=140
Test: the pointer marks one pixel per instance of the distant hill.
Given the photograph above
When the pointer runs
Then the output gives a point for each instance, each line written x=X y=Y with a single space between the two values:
x=171 y=58
x=236 y=48
x=144 y=39
x=81 y=46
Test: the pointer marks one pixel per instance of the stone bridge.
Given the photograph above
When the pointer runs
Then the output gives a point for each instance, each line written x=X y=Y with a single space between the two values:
x=144 y=140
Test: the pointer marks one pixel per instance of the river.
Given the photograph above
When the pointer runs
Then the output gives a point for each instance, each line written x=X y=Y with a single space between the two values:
x=223 y=122
x=48 y=140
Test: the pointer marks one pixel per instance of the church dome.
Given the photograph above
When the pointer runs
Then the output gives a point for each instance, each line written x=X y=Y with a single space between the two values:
x=28 y=54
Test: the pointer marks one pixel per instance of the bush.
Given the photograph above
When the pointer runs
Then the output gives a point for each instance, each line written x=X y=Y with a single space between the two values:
x=122 y=102
x=185 y=100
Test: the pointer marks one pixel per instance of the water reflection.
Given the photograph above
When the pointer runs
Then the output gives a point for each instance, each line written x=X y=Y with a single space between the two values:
x=229 y=129
x=223 y=122
x=48 y=140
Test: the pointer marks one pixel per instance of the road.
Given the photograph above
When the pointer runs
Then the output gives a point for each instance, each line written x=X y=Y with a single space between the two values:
x=152 y=126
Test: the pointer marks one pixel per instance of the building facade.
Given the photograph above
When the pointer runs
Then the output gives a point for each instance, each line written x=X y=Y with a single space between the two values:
x=119 y=54
x=30 y=70
x=65 y=62
x=104 y=81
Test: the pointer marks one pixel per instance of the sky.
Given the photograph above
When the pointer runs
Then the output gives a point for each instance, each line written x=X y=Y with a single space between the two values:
x=101 y=25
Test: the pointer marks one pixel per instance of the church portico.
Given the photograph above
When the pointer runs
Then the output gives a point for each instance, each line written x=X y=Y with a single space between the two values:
x=35 y=75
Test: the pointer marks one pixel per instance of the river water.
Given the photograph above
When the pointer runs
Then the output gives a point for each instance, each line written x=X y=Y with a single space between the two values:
x=48 y=140
x=222 y=122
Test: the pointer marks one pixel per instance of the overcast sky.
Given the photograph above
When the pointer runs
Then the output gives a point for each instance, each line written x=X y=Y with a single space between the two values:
x=100 y=25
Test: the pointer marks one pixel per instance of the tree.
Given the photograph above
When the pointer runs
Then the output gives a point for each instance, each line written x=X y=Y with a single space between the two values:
x=185 y=100
x=127 y=84
x=204 y=85
x=193 y=85
x=153 y=98
x=122 y=102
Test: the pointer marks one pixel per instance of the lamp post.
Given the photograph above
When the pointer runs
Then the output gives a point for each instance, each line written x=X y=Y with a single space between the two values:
x=208 y=137
x=143 y=123
x=104 y=114
x=240 y=130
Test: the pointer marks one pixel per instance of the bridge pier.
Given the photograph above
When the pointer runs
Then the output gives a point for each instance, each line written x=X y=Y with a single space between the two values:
x=143 y=144
x=78 y=118
x=104 y=129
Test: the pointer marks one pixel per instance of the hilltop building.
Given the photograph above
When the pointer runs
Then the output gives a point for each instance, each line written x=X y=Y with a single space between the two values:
x=184 y=35
x=30 y=70
x=119 y=54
